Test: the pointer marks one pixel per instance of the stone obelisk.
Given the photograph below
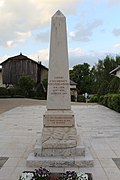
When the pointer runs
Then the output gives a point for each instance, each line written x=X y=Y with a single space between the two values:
x=58 y=78
x=58 y=97
x=58 y=119
x=58 y=146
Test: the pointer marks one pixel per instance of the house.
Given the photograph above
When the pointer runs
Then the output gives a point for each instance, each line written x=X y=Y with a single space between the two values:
x=116 y=71
x=73 y=90
x=15 y=67
x=0 y=76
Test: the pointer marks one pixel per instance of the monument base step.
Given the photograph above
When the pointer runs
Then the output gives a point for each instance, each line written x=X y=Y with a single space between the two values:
x=56 y=152
x=73 y=161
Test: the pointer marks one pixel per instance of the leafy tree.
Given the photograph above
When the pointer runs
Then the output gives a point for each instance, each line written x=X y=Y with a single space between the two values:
x=103 y=89
x=114 y=86
x=26 y=85
x=81 y=75
x=92 y=80
x=101 y=72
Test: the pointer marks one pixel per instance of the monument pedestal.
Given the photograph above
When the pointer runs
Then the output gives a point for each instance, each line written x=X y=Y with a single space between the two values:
x=59 y=146
x=58 y=154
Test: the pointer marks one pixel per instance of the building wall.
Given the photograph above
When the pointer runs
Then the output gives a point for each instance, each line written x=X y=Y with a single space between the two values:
x=0 y=78
x=13 y=69
x=44 y=73
x=73 y=91
x=118 y=73
x=72 y=86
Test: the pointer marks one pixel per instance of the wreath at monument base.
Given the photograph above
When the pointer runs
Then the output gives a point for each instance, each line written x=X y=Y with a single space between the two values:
x=44 y=174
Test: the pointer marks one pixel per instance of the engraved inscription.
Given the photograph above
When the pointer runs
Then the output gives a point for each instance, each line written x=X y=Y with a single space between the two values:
x=58 y=121
x=58 y=85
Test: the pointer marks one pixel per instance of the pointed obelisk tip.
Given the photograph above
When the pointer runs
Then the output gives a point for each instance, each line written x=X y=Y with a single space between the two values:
x=58 y=14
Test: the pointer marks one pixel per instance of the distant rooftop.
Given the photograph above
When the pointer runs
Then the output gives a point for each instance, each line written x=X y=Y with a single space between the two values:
x=114 y=70
x=72 y=83
x=22 y=57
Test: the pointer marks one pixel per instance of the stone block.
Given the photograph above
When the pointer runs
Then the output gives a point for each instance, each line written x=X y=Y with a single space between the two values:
x=59 y=137
x=64 y=152
x=72 y=161
x=58 y=118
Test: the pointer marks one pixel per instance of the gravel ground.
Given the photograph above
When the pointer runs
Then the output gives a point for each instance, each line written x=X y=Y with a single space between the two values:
x=7 y=104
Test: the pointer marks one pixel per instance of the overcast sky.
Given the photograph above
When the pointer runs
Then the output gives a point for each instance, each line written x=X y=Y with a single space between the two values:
x=93 y=29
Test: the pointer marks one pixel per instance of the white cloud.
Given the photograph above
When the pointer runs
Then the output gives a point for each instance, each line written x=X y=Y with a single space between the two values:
x=117 y=45
x=85 y=31
x=41 y=55
x=1 y=3
x=76 y=52
x=72 y=34
x=10 y=44
x=116 y=32
x=112 y=3
x=20 y=38
x=28 y=15
x=80 y=56
x=24 y=34
x=3 y=58
x=43 y=37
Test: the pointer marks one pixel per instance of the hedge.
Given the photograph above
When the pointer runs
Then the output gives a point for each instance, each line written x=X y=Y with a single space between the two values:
x=111 y=100
x=94 y=98
x=81 y=98
x=3 y=91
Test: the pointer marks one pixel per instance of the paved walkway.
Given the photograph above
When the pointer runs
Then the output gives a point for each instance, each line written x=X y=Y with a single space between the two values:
x=99 y=128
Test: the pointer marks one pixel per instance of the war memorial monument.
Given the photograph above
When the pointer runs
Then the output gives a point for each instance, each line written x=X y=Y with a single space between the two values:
x=59 y=145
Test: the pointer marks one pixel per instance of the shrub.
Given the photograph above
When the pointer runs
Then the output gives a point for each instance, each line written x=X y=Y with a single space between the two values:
x=26 y=85
x=3 y=91
x=94 y=98
x=115 y=102
x=105 y=100
x=111 y=100
x=100 y=99
x=12 y=91
x=40 y=92
x=81 y=98
x=114 y=86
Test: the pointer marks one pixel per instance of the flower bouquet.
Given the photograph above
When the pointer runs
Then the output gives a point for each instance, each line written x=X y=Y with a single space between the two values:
x=72 y=175
x=44 y=174
x=37 y=174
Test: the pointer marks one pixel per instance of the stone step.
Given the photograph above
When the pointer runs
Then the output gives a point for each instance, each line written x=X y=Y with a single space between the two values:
x=73 y=161
x=55 y=152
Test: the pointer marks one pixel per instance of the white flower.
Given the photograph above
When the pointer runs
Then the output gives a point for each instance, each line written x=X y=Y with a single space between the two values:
x=82 y=176
x=26 y=176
